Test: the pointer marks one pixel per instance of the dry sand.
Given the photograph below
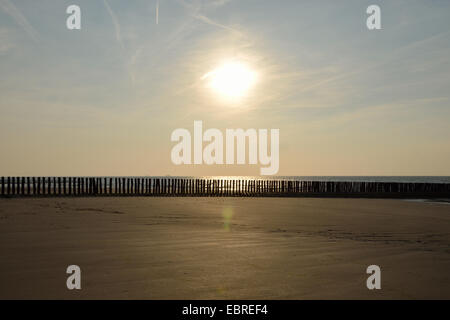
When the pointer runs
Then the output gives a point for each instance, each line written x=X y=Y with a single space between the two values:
x=223 y=248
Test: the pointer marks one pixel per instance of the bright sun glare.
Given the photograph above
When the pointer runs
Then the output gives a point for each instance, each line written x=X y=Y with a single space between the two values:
x=231 y=80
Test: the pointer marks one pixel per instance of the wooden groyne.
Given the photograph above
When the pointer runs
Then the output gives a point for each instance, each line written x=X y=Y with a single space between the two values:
x=129 y=186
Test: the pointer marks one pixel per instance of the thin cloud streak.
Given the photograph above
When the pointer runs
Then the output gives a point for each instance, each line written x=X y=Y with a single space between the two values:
x=20 y=19
x=157 y=12
x=116 y=24
x=201 y=17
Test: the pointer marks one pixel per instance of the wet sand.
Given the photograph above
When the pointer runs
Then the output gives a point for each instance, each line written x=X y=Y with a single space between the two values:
x=224 y=248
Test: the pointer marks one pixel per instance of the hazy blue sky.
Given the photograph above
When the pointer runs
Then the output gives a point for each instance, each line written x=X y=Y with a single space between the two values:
x=104 y=100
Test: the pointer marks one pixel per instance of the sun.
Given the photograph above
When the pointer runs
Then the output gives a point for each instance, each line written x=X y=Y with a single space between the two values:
x=232 y=80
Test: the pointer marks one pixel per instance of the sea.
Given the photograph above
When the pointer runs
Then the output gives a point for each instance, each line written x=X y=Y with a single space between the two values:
x=401 y=179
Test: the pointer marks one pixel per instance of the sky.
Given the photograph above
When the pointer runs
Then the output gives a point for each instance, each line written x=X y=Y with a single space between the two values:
x=105 y=99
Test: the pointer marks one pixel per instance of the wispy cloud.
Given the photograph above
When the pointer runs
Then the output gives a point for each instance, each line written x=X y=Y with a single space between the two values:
x=196 y=12
x=116 y=24
x=157 y=11
x=209 y=21
x=6 y=42
x=19 y=18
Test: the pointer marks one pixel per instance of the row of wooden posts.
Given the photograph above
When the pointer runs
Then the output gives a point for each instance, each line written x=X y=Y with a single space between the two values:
x=82 y=186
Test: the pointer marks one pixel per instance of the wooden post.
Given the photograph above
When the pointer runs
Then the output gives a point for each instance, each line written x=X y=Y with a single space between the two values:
x=13 y=187
x=28 y=185
x=70 y=188
x=22 y=186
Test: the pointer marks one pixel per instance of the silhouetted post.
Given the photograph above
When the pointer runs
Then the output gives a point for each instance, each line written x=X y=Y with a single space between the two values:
x=3 y=186
x=22 y=185
x=69 y=186
x=16 y=185
x=13 y=187
x=64 y=186
x=98 y=186
x=59 y=185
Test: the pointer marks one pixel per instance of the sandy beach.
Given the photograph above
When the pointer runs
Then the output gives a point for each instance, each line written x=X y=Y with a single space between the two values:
x=223 y=248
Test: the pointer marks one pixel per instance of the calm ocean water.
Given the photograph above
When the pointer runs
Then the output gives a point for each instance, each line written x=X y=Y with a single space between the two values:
x=414 y=179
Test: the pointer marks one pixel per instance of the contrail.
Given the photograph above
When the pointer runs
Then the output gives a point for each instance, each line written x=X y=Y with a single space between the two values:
x=19 y=18
x=157 y=11
x=116 y=24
